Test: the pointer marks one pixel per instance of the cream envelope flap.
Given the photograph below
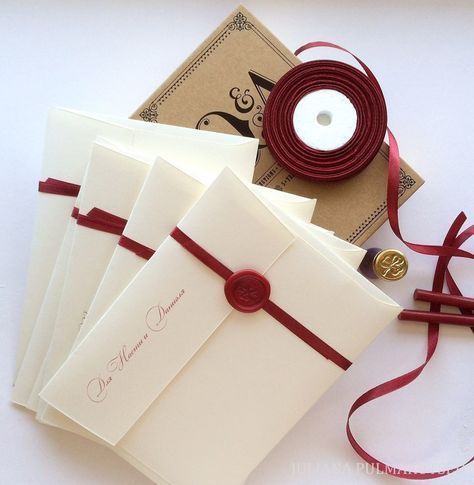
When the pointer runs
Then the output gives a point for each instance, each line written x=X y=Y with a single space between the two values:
x=176 y=303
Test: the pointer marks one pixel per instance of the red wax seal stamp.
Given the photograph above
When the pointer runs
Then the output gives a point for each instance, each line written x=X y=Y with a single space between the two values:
x=247 y=290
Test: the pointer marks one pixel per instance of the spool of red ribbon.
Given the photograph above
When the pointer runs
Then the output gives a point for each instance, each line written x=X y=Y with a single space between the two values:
x=361 y=90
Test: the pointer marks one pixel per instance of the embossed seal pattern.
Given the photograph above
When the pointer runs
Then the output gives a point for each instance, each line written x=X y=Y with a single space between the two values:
x=247 y=291
x=390 y=264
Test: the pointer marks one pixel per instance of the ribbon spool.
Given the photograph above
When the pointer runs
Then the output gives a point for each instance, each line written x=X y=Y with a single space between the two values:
x=349 y=108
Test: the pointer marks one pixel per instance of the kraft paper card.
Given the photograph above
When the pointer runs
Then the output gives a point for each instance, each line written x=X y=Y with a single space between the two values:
x=223 y=86
x=174 y=373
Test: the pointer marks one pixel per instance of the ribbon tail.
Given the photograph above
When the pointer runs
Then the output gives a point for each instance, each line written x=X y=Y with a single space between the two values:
x=399 y=382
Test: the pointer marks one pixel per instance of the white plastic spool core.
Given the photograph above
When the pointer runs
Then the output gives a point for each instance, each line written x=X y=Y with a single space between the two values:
x=325 y=119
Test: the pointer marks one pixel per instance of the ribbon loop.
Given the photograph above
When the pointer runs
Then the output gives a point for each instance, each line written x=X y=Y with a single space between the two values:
x=321 y=43
x=441 y=270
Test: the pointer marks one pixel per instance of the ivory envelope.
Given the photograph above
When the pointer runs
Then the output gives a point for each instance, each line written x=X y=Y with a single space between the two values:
x=165 y=198
x=68 y=144
x=194 y=391
x=170 y=185
x=112 y=182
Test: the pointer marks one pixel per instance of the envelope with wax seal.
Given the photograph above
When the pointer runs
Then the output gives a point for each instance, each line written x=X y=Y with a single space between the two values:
x=220 y=344
x=170 y=192
x=109 y=182
x=68 y=145
x=167 y=195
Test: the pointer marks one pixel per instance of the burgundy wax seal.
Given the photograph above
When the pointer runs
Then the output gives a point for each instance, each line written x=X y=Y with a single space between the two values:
x=247 y=290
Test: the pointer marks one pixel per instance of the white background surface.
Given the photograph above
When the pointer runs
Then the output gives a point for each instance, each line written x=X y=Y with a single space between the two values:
x=108 y=57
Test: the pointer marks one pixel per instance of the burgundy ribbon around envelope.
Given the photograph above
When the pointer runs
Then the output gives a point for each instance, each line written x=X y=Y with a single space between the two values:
x=304 y=161
x=101 y=220
x=249 y=291
x=274 y=310
x=58 y=187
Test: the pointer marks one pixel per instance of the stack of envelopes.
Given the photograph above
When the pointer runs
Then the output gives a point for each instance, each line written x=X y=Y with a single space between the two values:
x=175 y=312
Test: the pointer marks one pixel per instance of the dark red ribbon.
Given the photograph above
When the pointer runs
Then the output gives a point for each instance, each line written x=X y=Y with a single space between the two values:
x=58 y=187
x=134 y=246
x=102 y=221
x=444 y=252
x=75 y=212
x=271 y=308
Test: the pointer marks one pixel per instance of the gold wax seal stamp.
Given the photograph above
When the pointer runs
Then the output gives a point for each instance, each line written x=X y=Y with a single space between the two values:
x=390 y=264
